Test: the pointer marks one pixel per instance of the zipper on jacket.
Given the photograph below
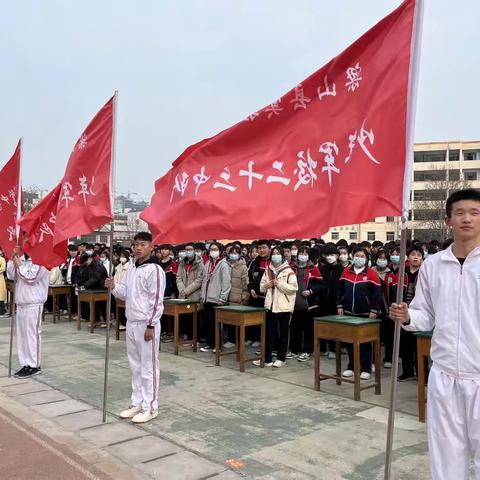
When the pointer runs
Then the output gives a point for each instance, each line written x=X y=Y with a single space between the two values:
x=459 y=319
x=353 y=294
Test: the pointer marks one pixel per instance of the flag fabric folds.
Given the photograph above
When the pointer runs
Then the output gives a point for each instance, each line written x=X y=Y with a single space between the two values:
x=330 y=151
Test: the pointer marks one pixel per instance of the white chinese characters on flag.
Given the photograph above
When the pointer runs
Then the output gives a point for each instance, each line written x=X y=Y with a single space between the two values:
x=9 y=198
x=330 y=151
x=39 y=225
x=85 y=199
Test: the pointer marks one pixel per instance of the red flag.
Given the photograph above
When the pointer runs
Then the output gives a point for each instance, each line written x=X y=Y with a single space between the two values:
x=85 y=200
x=329 y=152
x=9 y=201
x=39 y=225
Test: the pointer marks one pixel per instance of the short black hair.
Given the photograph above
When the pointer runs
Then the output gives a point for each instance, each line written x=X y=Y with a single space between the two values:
x=84 y=258
x=143 y=236
x=199 y=246
x=72 y=247
x=467 y=194
x=361 y=249
x=415 y=248
x=280 y=251
x=268 y=243
x=167 y=246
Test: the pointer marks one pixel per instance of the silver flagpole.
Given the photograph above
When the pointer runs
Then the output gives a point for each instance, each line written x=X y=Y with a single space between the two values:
x=110 y=273
x=411 y=110
x=17 y=234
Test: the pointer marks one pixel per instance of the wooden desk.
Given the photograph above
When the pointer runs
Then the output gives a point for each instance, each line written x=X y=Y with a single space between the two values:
x=176 y=307
x=91 y=297
x=10 y=285
x=55 y=291
x=424 y=343
x=120 y=304
x=355 y=330
x=240 y=316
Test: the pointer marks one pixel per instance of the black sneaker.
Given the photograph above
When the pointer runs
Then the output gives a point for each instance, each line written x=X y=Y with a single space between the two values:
x=404 y=377
x=30 y=372
x=20 y=372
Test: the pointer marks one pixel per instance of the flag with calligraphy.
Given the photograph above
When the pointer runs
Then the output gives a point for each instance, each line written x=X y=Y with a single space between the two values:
x=331 y=151
x=39 y=225
x=85 y=201
x=9 y=201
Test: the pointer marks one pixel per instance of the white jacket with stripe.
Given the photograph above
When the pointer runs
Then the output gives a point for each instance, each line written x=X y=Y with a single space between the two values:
x=143 y=291
x=447 y=299
x=31 y=287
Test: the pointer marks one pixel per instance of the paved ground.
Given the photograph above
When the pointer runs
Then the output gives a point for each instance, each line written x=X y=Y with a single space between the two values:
x=215 y=422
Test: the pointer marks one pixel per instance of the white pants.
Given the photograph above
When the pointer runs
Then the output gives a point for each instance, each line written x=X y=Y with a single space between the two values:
x=144 y=364
x=453 y=425
x=29 y=334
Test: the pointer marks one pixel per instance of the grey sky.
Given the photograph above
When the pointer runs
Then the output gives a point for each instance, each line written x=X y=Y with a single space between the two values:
x=187 y=69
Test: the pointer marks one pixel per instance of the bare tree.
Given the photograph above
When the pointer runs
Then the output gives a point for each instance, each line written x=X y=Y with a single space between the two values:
x=31 y=196
x=429 y=207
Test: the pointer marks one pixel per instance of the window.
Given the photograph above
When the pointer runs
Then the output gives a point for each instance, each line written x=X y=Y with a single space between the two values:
x=353 y=235
x=454 y=174
x=429 y=214
x=390 y=236
x=370 y=236
x=335 y=236
x=429 y=175
x=390 y=219
x=429 y=195
x=454 y=155
x=470 y=176
x=471 y=154
x=432 y=156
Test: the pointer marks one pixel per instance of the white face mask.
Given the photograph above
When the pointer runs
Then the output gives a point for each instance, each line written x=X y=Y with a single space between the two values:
x=89 y=252
x=181 y=255
x=343 y=258
x=359 y=262
x=214 y=254
x=123 y=260
x=382 y=263
x=276 y=259
x=331 y=258
x=103 y=259
x=294 y=252
x=303 y=258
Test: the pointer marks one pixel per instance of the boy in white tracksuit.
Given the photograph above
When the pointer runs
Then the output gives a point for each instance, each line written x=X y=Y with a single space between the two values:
x=31 y=292
x=142 y=291
x=447 y=299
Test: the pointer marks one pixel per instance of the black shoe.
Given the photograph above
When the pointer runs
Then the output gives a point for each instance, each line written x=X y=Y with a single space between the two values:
x=30 y=372
x=404 y=377
x=20 y=372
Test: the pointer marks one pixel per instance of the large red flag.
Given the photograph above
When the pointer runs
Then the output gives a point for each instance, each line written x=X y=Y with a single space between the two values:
x=85 y=201
x=9 y=201
x=330 y=151
x=39 y=225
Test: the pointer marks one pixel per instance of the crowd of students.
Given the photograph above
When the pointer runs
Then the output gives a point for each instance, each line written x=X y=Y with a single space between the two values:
x=294 y=281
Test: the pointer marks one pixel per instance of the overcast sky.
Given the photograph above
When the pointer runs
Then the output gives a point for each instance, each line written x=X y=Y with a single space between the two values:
x=188 y=69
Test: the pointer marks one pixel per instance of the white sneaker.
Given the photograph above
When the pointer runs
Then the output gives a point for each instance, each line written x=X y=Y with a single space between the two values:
x=278 y=364
x=303 y=357
x=347 y=373
x=228 y=345
x=373 y=368
x=332 y=355
x=255 y=344
x=206 y=348
x=257 y=363
x=364 y=376
x=145 y=416
x=387 y=365
x=291 y=355
x=130 y=412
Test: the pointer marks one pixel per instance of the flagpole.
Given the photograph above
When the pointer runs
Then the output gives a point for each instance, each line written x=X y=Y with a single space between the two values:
x=412 y=102
x=110 y=273
x=17 y=241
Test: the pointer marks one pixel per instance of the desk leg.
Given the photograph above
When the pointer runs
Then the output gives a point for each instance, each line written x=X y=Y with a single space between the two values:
x=79 y=313
x=69 y=306
x=421 y=384
x=237 y=343
x=338 y=362
x=316 y=369
x=356 y=370
x=117 y=322
x=54 y=308
x=92 y=316
x=241 y=348
x=194 y=330
x=378 y=372
x=176 y=333
x=217 y=342
x=262 y=345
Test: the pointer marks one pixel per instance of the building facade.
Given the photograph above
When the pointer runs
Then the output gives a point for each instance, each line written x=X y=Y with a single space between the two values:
x=439 y=168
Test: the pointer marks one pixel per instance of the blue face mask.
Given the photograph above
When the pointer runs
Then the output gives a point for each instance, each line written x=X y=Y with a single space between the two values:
x=359 y=262
x=276 y=259
x=189 y=254
x=395 y=259
x=234 y=257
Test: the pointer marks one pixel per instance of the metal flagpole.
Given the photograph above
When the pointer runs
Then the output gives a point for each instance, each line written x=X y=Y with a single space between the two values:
x=17 y=235
x=412 y=102
x=110 y=273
